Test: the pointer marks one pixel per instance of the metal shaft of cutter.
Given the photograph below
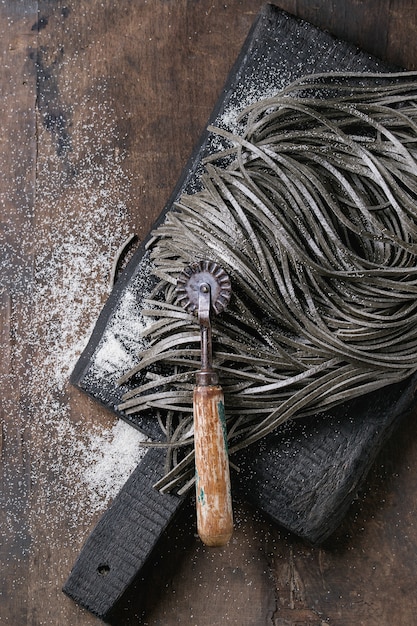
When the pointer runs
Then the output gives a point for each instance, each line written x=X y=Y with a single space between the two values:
x=206 y=376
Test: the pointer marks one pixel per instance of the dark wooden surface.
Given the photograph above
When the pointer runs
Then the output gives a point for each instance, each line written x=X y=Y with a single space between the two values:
x=82 y=82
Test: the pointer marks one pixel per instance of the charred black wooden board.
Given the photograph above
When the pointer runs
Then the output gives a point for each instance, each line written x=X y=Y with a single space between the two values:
x=317 y=464
x=305 y=475
x=283 y=476
x=123 y=540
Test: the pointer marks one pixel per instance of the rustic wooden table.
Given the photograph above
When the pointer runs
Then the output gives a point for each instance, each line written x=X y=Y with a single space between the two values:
x=102 y=104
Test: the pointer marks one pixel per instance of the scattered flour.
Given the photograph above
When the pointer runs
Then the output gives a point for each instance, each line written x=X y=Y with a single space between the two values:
x=122 y=339
x=70 y=468
x=113 y=453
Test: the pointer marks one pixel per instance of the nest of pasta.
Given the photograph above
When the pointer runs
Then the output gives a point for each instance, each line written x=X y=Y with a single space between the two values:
x=311 y=210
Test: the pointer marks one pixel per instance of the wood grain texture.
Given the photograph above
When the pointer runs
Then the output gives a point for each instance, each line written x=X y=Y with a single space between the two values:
x=213 y=490
x=18 y=146
x=161 y=65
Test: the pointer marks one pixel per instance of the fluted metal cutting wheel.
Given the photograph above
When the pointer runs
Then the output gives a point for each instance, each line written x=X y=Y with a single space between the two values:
x=193 y=276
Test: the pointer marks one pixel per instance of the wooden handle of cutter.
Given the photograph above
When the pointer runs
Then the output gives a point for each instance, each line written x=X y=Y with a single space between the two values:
x=213 y=493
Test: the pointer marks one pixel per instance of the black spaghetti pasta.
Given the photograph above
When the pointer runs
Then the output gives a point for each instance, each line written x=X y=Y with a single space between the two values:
x=315 y=220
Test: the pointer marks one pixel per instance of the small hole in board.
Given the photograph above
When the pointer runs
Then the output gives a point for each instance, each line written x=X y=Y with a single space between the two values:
x=103 y=569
